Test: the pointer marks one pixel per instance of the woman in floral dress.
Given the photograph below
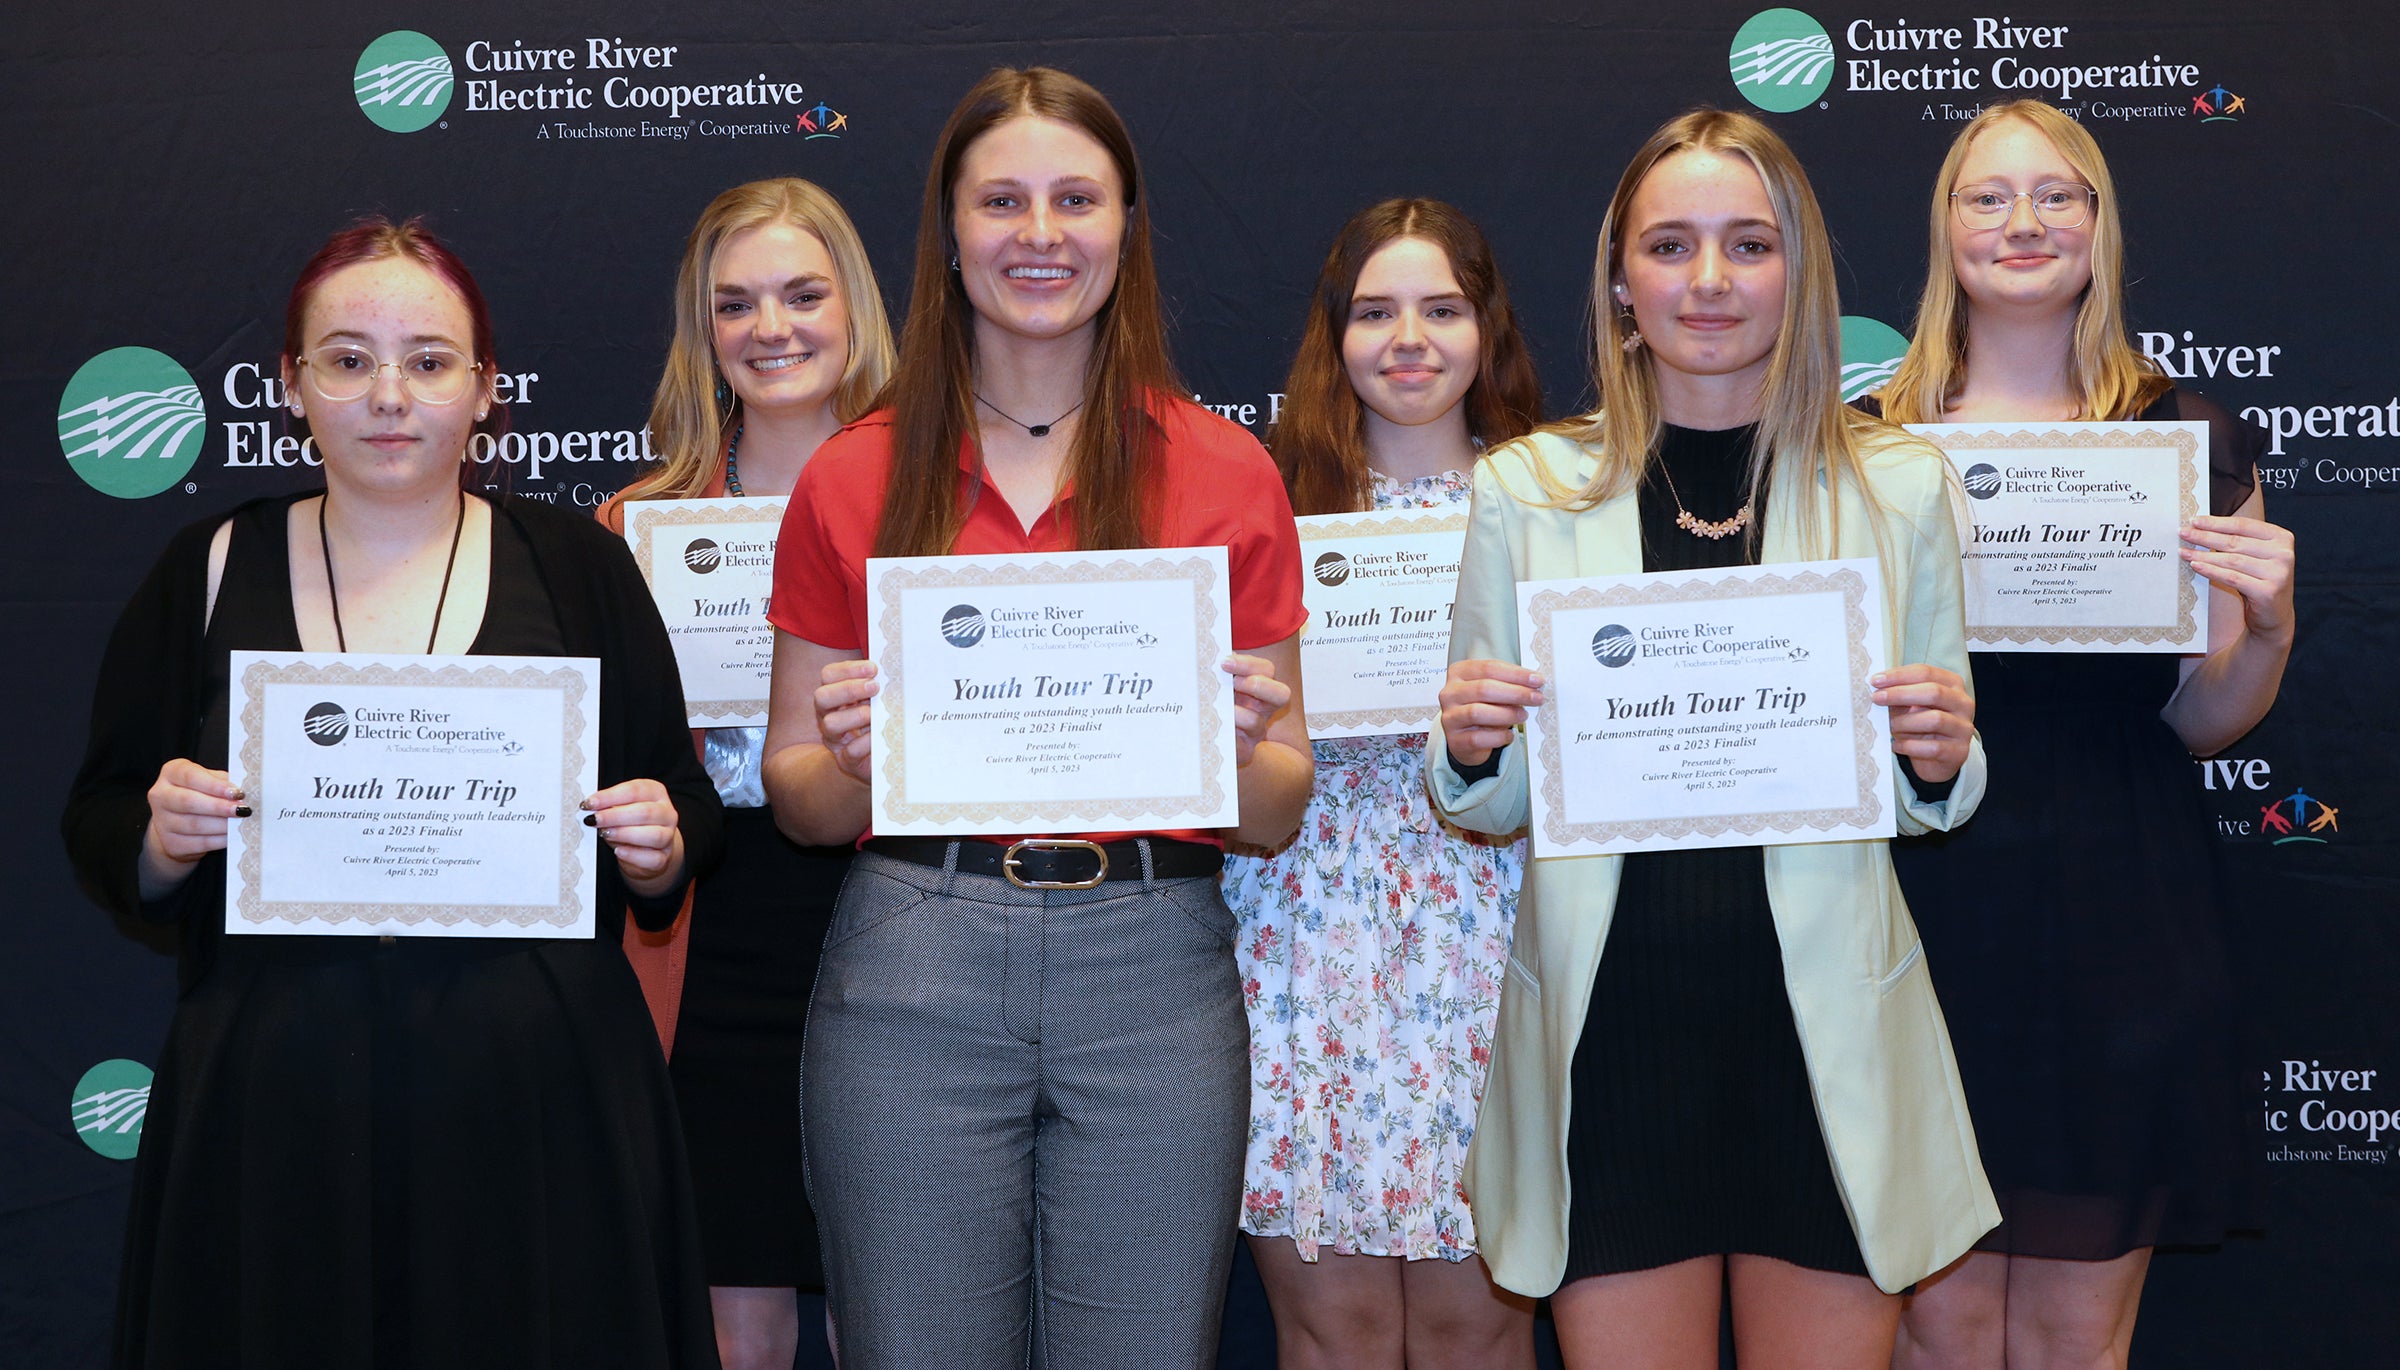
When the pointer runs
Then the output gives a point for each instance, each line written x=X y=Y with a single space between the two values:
x=1373 y=943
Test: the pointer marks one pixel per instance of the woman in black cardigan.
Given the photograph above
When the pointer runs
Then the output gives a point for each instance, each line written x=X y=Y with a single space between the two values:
x=392 y=1150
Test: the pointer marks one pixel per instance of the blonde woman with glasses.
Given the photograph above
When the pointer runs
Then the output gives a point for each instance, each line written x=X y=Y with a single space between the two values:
x=2082 y=962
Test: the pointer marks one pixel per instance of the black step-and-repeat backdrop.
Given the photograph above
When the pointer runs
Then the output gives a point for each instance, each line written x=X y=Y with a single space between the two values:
x=170 y=166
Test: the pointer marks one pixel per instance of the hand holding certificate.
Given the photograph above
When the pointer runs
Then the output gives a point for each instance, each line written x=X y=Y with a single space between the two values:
x=1064 y=691
x=427 y=795
x=1716 y=708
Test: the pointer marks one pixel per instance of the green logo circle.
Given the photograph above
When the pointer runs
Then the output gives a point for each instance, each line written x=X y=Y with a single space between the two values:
x=1871 y=352
x=131 y=422
x=111 y=1100
x=1781 y=60
x=402 y=81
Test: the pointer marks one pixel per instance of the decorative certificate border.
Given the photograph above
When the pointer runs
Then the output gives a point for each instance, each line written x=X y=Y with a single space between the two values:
x=941 y=573
x=642 y=517
x=1379 y=524
x=2103 y=438
x=254 y=908
x=1853 y=588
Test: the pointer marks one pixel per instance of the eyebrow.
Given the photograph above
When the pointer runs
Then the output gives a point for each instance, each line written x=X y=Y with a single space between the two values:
x=1076 y=178
x=1357 y=300
x=806 y=278
x=420 y=340
x=1684 y=225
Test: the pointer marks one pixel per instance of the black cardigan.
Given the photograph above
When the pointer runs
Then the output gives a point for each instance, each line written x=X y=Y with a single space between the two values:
x=148 y=705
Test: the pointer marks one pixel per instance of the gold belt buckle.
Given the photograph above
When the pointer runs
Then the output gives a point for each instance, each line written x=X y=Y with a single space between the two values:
x=1008 y=862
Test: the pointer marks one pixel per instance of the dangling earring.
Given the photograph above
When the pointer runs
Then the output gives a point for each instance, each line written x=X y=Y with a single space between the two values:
x=724 y=400
x=1633 y=336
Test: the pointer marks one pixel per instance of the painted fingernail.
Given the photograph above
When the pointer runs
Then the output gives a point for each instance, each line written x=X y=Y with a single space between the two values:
x=586 y=804
x=591 y=820
x=241 y=811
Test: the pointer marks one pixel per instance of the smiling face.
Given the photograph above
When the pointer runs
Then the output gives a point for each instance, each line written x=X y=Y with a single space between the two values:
x=2022 y=264
x=1703 y=271
x=1038 y=216
x=387 y=439
x=781 y=327
x=1412 y=346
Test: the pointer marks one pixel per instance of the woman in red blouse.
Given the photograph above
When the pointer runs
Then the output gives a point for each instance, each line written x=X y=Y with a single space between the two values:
x=1023 y=1104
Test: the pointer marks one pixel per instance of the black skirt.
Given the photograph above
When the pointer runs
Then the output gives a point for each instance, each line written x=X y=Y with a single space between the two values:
x=757 y=927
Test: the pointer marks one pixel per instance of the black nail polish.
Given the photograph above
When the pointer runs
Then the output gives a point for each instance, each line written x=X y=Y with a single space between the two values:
x=241 y=811
x=591 y=820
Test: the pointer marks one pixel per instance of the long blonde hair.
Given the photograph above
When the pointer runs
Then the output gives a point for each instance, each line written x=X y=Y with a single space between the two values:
x=1805 y=430
x=2112 y=380
x=687 y=422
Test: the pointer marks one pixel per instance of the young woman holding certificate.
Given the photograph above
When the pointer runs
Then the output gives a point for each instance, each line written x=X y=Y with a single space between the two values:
x=412 y=1150
x=2082 y=961
x=1752 y=1088
x=779 y=339
x=1379 y=934
x=1025 y=1078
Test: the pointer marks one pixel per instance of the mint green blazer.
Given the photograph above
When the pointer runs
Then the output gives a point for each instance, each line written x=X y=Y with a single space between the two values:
x=1879 y=1062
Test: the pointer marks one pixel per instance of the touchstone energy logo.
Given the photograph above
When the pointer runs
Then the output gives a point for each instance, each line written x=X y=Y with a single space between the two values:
x=326 y=723
x=2217 y=105
x=1331 y=569
x=1871 y=352
x=1983 y=480
x=109 y=1104
x=402 y=81
x=1781 y=60
x=2300 y=817
x=1613 y=645
x=962 y=625
x=702 y=556
x=130 y=422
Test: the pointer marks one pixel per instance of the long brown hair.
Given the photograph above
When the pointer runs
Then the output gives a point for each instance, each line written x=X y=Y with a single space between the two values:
x=1804 y=429
x=932 y=394
x=686 y=422
x=2112 y=380
x=1319 y=440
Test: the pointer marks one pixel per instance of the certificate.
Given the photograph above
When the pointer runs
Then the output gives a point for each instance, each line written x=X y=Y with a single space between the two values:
x=1379 y=590
x=412 y=794
x=710 y=564
x=1722 y=708
x=1053 y=692
x=2074 y=544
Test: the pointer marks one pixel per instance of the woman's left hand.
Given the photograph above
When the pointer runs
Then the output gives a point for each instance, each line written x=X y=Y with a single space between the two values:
x=1933 y=718
x=2251 y=558
x=1257 y=697
x=638 y=821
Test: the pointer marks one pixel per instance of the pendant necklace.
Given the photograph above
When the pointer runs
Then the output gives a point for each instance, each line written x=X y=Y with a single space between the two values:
x=341 y=641
x=733 y=467
x=1699 y=527
x=1038 y=430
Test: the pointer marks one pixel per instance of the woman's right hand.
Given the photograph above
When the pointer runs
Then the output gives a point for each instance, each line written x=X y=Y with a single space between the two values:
x=842 y=715
x=190 y=806
x=1483 y=702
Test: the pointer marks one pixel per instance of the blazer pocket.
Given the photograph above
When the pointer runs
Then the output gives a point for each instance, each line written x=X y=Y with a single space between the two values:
x=1525 y=977
x=1892 y=978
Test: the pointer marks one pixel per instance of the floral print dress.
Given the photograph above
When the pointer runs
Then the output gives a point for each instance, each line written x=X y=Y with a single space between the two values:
x=1371 y=950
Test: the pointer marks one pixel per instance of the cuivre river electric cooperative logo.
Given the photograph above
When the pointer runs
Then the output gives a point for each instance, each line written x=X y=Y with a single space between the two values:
x=702 y=556
x=1983 y=480
x=1781 y=60
x=130 y=422
x=1613 y=646
x=326 y=724
x=403 y=81
x=962 y=625
x=1871 y=352
x=1331 y=569
x=109 y=1104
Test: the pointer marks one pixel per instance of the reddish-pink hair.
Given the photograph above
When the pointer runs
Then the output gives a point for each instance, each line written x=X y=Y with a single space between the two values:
x=372 y=239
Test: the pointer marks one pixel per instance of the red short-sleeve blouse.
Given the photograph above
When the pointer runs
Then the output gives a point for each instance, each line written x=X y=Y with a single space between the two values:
x=1218 y=488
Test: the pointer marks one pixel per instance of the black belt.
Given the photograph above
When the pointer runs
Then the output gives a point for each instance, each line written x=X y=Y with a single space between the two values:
x=1057 y=863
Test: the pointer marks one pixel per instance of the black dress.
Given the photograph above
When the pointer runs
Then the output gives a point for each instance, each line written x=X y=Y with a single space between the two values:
x=2078 y=942
x=399 y=1152
x=1694 y=1132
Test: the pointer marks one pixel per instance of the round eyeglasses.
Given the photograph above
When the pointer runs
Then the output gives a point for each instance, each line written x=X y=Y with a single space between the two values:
x=2060 y=204
x=433 y=375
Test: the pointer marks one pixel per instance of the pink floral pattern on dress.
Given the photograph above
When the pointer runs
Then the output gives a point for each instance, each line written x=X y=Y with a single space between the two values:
x=1371 y=951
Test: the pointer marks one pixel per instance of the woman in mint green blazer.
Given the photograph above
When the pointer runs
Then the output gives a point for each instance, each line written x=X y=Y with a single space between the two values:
x=1753 y=1089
